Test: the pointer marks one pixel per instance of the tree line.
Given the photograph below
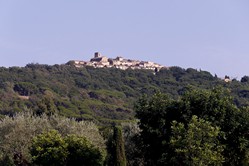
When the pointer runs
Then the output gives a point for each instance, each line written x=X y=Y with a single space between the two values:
x=63 y=115
x=201 y=127
x=103 y=95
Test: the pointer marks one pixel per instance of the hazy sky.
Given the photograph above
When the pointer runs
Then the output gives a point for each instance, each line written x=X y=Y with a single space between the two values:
x=211 y=35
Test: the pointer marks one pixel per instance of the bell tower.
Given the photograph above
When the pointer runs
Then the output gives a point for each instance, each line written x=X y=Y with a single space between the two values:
x=97 y=55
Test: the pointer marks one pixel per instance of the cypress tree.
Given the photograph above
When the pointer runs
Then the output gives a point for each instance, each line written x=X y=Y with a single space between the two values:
x=118 y=149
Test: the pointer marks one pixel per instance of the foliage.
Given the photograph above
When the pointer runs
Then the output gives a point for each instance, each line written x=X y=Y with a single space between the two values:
x=245 y=79
x=168 y=125
x=49 y=149
x=133 y=150
x=154 y=121
x=25 y=88
x=107 y=96
x=117 y=150
x=98 y=94
x=17 y=132
x=82 y=152
x=197 y=144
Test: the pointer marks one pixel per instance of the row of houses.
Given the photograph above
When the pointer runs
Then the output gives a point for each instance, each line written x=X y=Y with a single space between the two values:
x=99 y=61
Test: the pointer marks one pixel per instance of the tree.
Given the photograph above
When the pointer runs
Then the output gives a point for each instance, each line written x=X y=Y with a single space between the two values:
x=133 y=150
x=25 y=88
x=117 y=150
x=18 y=131
x=155 y=117
x=213 y=108
x=196 y=144
x=49 y=148
x=245 y=79
x=82 y=153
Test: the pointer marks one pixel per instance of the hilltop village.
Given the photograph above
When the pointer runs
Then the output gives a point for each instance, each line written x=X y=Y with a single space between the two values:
x=99 y=61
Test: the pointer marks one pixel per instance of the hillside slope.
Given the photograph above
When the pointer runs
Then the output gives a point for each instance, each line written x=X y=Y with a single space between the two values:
x=103 y=94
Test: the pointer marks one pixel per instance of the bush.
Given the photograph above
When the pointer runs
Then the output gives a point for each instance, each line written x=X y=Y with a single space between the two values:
x=17 y=132
x=50 y=148
x=82 y=152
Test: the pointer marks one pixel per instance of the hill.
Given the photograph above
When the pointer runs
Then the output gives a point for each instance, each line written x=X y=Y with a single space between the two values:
x=99 y=94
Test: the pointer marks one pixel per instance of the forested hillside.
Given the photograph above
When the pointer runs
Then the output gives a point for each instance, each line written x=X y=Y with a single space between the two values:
x=137 y=117
x=102 y=95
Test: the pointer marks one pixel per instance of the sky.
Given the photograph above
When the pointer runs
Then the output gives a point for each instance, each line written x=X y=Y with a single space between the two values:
x=206 y=35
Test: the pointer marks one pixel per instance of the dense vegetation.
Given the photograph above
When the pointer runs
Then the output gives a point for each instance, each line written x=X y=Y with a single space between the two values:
x=27 y=138
x=201 y=128
x=116 y=117
x=103 y=95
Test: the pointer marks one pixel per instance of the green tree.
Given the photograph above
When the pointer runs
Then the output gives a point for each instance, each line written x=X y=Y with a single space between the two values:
x=156 y=116
x=49 y=148
x=82 y=153
x=18 y=131
x=25 y=88
x=117 y=150
x=133 y=150
x=196 y=144
x=46 y=104
x=244 y=79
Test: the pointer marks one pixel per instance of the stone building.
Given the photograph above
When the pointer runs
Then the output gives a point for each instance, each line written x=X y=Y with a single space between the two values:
x=97 y=55
x=99 y=61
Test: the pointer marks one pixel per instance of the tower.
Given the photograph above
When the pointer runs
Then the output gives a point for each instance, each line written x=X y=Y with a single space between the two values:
x=97 y=55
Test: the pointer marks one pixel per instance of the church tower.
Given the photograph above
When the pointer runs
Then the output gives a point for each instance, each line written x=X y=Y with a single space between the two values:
x=97 y=55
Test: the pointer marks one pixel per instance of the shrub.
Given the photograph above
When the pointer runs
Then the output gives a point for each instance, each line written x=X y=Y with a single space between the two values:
x=49 y=149
x=17 y=132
